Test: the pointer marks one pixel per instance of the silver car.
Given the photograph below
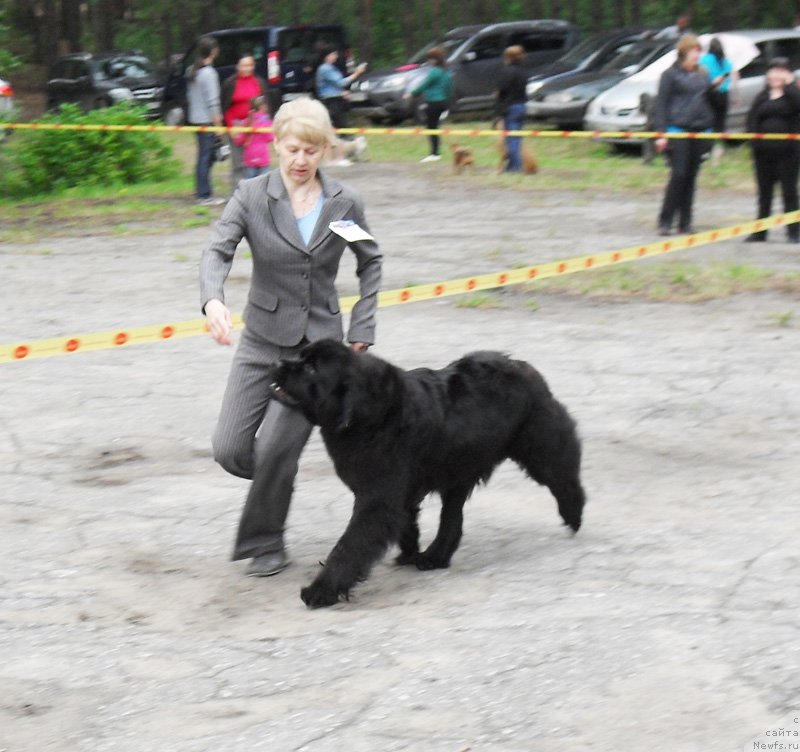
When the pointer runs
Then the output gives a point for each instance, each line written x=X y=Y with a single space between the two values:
x=621 y=107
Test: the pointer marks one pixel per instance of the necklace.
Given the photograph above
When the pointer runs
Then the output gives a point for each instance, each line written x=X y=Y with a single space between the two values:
x=310 y=194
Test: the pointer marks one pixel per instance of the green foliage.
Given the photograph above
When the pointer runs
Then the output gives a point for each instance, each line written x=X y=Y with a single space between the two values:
x=37 y=162
x=8 y=60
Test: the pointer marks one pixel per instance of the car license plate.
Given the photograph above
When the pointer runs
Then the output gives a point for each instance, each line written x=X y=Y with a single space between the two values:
x=358 y=96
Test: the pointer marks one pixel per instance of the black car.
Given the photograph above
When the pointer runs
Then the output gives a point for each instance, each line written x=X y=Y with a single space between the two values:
x=565 y=101
x=592 y=54
x=286 y=58
x=474 y=59
x=100 y=80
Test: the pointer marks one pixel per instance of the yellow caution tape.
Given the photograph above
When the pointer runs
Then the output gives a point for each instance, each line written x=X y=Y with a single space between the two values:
x=109 y=340
x=411 y=131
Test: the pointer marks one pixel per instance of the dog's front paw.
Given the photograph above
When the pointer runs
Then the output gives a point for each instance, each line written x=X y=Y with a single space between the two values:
x=319 y=594
x=427 y=561
x=404 y=560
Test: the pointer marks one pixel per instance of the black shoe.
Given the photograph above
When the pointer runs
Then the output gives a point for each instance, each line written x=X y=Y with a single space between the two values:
x=664 y=230
x=756 y=237
x=686 y=230
x=268 y=564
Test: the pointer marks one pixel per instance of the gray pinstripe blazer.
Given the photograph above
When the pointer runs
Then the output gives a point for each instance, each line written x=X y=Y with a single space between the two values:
x=292 y=292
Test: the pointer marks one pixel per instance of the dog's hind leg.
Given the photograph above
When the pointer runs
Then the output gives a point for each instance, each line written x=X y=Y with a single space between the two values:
x=451 y=518
x=549 y=450
x=372 y=528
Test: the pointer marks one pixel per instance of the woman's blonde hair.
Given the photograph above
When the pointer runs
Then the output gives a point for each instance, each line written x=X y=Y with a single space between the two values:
x=685 y=43
x=305 y=119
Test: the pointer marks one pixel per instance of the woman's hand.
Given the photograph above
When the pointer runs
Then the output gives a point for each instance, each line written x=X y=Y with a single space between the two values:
x=359 y=347
x=218 y=318
x=661 y=145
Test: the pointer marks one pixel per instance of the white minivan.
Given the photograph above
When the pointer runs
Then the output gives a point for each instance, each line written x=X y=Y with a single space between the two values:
x=620 y=108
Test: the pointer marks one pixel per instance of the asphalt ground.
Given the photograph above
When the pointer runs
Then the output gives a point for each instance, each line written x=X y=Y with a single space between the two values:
x=669 y=622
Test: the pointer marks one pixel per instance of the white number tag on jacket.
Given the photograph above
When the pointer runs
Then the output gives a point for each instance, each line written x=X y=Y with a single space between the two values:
x=349 y=230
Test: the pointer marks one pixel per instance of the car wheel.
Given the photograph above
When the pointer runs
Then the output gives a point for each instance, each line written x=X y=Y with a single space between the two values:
x=174 y=116
x=375 y=119
x=101 y=104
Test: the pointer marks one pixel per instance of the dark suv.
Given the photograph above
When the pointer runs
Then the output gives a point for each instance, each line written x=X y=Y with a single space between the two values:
x=285 y=57
x=100 y=80
x=474 y=59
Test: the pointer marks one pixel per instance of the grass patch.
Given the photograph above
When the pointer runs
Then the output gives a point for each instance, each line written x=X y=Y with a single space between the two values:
x=575 y=164
x=478 y=300
x=671 y=281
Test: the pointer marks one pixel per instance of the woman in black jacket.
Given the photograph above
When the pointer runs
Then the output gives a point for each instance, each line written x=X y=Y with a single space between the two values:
x=776 y=110
x=682 y=105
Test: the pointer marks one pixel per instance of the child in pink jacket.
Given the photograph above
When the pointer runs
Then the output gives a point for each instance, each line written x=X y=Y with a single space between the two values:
x=256 y=155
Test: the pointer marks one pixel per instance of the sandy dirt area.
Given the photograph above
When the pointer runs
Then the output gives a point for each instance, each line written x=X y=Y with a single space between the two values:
x=669 y=622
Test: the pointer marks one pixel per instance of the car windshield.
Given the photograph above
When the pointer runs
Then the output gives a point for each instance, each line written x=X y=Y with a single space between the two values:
x=449 y=45
x=123 y=66
x=583 y=51
x=636 y=57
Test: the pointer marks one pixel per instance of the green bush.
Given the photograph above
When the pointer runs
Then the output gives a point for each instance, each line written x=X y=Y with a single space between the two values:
x=36 y=162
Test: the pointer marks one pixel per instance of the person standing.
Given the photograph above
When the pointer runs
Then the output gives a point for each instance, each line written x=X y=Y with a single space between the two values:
x=203 y=105
x=331 y=87
x=682 y=106
x=511 y=103
x=256 y=157
x=776 y=110
x=285 y=216
x=238 y=91
x=436 y=89
x=724 y=82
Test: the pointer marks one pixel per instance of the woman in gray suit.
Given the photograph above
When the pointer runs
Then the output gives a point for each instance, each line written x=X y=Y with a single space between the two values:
x=285 y=216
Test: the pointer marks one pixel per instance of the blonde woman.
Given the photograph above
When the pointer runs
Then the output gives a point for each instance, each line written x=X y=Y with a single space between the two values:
x=285 y=216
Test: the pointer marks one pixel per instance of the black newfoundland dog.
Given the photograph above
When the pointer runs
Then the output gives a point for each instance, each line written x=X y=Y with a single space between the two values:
x=395 y=436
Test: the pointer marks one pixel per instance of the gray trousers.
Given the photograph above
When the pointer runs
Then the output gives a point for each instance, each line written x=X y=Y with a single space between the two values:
x=259 y=439
x=237 y=165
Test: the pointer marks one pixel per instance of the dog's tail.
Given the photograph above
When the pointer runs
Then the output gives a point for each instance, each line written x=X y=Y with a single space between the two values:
x=547 y=447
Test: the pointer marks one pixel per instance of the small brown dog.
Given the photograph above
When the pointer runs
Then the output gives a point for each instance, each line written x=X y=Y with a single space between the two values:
x=530 y=165
x=462 y=157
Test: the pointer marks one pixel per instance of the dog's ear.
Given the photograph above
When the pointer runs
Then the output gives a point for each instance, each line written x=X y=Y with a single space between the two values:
x=368 y=393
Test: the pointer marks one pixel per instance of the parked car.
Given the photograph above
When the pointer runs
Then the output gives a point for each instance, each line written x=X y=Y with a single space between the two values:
x=95 y=81
x=286 y=57
x=474 y=59
x=565 y=100
x=6 y=98
x=591 y=54
x=620 y=108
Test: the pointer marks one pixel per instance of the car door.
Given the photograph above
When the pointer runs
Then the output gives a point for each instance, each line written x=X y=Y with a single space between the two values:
x=477 y=71
x=65 y=86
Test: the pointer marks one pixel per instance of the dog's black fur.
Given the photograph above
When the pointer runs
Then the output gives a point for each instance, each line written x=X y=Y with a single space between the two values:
x=395 y=436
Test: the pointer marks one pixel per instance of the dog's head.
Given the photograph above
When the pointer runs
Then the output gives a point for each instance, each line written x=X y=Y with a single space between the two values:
x=335 y=387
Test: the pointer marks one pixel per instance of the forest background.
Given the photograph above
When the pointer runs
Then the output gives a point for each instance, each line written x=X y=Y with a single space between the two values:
x=34 y=32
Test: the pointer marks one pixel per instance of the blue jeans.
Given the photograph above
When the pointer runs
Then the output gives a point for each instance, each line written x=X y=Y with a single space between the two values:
x=205 y=160
x=254 y=172
x=513 y=121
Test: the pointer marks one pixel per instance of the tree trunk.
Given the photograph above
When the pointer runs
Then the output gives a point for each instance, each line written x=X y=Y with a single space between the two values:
x=71 y=26
x=619 y=13
x=269 y=13
x=436 y=18
x=533 y=9
x=365 y=32
x=104 y=24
